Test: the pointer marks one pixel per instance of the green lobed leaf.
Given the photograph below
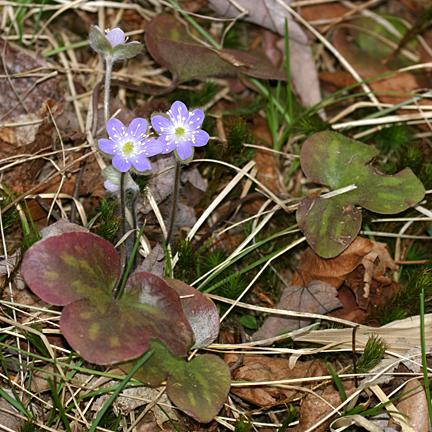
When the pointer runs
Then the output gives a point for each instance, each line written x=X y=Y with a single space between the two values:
x=127 y=50
x=170 y=44
x=199 y=387
x=71 y=266
x=331 y=159
x=200 y=311
x=98 y=41
x=202 y=388
x=330 y=225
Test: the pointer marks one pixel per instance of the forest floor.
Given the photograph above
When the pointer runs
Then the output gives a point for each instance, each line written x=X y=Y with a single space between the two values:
x=324 y=308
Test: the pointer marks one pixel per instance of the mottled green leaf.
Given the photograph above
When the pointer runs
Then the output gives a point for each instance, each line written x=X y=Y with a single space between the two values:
x=98 y=41
x=199 y=387
x=170 y=44
x=330 y=225
x=200 y=311
x=202 y=388
x=333 y=160
x=75 y=265
x=127 y=50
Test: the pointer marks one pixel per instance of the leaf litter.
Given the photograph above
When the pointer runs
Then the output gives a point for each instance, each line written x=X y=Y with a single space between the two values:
x=41 y=95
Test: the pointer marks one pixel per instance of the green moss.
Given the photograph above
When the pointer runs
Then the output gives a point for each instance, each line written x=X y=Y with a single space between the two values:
x=233 y=152
x=187 y=268
x=373 y=353
x=406 y=303
x=11 y=216
x=107 y=219
x=392 y=139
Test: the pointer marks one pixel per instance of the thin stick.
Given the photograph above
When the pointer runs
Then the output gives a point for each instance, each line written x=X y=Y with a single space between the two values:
x=175 y=201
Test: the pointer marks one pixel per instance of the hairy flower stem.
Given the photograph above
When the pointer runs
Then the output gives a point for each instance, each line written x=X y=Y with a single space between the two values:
x=174 y=201
x=107 y=89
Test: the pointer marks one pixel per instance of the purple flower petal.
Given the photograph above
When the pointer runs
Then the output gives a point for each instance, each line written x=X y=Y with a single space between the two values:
x=184 y=150
x=161 y=124
x=110 y=186
x=195 y=119
x=116 y=37
x=106 y=145
x=167 y=143
x=115 y=129
x=178 y=113
x=200 y=138
x=151 y=147
x=137 y=128
x=120 y=163
x=141 y=163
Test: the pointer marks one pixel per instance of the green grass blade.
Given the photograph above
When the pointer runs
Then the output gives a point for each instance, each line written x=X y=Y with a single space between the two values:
x=119 y=388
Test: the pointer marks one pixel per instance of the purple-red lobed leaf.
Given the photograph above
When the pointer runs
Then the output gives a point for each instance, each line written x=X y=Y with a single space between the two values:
x=69 y=267
x=79 y=271
x=172 y=46
x=108 y=330
x=200 y=311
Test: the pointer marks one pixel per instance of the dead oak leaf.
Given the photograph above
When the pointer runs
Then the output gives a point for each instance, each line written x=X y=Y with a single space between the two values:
x=256 y=368
x=316 y=297
x=317 y=405
x=373 y=256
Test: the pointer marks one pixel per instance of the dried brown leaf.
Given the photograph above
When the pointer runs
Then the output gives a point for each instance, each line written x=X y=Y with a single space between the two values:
x=316 y=297
x=316 y=406
x=257 y=368
x=413 y=405
x=372 y=255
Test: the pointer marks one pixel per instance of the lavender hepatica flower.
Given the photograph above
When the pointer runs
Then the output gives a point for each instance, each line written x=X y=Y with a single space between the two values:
x=180 y=130
x=116 y=36
x=131 y=146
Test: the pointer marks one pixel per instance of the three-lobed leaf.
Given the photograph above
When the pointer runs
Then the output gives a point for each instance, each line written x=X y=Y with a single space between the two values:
x=79 y=270
x=333 y=160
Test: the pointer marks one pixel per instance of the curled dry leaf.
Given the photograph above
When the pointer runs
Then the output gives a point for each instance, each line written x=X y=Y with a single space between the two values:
x=255 y=368
x=272 y=15
x=153 y=262
x=316 y=297
x=373 y=256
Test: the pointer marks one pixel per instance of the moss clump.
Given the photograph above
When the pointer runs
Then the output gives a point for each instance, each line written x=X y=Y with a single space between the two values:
x=187 y=268
x=393 y=139
x=107 y=220
x=407 y=302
